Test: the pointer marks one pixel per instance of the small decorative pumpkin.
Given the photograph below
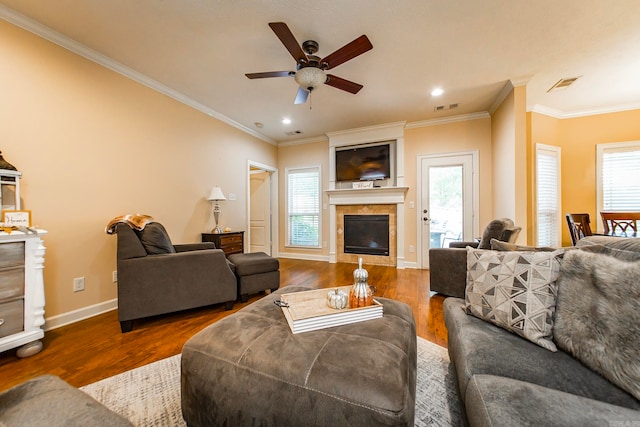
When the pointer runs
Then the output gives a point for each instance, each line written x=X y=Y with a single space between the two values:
x=337 y=299
x=361 y=294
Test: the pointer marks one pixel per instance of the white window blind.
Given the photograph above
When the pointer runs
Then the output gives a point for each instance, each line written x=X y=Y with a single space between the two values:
x=548 y=195
x=303 y=207
x=621 y=179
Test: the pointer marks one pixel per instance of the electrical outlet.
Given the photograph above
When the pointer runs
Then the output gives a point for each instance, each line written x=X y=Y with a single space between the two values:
x=114 y=276
x=78 y=284
x=324 y=243
x=412 y=248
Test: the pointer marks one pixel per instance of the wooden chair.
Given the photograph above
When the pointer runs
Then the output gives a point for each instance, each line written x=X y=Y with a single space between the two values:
x=579 y=226
x=620 y=223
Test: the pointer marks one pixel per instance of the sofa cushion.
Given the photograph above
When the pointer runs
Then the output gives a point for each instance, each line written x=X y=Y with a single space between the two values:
x=499 y=401
x=597 y=315
x=514 y=290
x=479 y=347
x=155 y=239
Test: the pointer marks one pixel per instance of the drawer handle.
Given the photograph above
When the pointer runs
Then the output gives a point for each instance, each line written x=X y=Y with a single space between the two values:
x=1 y=322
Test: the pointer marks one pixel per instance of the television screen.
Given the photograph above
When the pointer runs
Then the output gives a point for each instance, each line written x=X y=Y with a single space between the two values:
x=363 y=163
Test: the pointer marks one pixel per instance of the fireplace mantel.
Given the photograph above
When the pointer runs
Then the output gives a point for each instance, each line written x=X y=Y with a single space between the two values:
x=367 y=196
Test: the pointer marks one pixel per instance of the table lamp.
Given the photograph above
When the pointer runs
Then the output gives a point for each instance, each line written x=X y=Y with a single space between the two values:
x=216 y=196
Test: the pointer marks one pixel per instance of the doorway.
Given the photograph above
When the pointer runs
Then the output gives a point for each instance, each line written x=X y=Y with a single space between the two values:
x=448 y=200
x=261 y=209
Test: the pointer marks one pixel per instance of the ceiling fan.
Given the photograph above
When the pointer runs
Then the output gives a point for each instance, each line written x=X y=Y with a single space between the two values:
x=310 y=69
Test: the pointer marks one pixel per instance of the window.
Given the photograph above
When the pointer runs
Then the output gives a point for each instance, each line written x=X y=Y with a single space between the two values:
x=303 y=207
x=549 y=221
x=618 y=180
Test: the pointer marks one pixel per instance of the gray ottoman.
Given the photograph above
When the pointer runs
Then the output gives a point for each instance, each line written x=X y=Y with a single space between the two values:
x=248 y=369
x=256 y=272
x=49 y=401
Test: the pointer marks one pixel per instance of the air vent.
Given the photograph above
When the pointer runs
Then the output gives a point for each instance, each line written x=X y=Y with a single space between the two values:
x=294 y=133
x=562 y=84
x=445 y=107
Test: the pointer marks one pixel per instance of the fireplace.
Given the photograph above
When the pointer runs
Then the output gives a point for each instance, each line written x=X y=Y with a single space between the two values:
x=366 y=234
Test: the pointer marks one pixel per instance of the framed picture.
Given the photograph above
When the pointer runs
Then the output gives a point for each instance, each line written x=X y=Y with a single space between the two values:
x=16 y=218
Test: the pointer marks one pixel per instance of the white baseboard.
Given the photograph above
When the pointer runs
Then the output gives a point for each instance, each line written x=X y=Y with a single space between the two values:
x=306 y=257
x=412 y=264
x=64 y=319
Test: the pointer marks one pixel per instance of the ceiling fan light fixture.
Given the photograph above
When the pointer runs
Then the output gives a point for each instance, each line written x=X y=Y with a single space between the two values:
x=310 y=77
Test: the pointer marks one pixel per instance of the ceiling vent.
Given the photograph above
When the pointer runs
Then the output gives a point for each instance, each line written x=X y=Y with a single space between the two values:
x=294 y=133
x=445 y=107
x=562 y=84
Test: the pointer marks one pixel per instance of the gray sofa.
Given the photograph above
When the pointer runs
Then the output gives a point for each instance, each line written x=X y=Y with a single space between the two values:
x=506 y=380
x=156 y=277
x=447 y=266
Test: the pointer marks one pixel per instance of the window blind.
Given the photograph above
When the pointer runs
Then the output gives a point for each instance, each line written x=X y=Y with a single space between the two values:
x=621 y=179
x=303 y=207
x=547 y=195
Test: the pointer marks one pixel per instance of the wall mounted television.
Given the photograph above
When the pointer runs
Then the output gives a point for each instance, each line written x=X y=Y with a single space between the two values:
x=366 y=163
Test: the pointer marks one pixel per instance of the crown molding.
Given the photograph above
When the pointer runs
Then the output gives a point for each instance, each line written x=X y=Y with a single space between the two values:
x=445 y=120
x=71 y=45
x=558 y=114
x=309 y=140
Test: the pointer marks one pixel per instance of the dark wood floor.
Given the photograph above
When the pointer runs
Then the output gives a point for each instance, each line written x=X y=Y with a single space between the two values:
x=93 y=349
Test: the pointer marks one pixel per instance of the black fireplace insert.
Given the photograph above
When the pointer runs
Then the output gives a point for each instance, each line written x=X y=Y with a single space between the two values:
x=366 y=234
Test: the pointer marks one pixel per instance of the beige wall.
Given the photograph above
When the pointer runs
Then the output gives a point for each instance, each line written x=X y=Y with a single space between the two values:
x=509 y=145
x=437 y=139
x=445 y=138
x=92 y=144
x=578 y=138
x=295 y=156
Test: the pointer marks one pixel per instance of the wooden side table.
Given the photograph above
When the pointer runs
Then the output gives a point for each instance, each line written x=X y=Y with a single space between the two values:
x=231 y=242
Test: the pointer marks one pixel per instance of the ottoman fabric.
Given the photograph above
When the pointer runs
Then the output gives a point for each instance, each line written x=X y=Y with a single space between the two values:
x=249 y=369
x=254 y=263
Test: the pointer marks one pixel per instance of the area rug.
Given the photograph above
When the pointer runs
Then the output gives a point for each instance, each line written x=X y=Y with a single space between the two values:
x=150 y=395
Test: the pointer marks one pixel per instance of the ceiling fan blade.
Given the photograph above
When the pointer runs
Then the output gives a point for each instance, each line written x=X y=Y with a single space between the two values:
x=347 y=52
x=340 y=83
x=271 y=74
x=288 y=40
x=301 y=96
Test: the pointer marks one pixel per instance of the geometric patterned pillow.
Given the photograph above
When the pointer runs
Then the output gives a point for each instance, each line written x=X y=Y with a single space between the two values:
x=514 y=290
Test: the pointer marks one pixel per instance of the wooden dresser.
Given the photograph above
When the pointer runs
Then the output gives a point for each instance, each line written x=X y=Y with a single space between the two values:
x=21 y=292
x=231 y=242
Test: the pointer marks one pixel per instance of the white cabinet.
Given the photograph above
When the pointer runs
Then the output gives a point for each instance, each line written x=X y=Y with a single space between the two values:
x=21 y=292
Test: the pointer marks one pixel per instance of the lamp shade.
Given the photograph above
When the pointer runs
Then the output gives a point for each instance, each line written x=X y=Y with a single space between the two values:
x=216 y=194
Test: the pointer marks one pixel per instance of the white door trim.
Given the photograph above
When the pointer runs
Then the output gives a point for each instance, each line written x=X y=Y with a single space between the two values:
x=419 y=208
x=274 y=204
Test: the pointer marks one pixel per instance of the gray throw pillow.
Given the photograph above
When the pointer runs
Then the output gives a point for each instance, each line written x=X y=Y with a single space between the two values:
x=514 y=290
x=494 y=231
x=597 y=315
x=155 y=239
x=616 y=253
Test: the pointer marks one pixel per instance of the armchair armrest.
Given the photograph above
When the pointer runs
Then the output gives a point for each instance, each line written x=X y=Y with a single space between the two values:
x=448 y=271
x=464 y=244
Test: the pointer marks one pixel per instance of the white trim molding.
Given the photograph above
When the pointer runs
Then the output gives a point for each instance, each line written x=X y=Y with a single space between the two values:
x=74 y=316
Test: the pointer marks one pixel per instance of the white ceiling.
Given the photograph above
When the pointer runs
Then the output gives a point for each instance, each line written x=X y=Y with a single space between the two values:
x=199 y=50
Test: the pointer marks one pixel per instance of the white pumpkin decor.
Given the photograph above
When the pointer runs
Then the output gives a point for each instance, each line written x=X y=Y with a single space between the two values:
x=337 y=299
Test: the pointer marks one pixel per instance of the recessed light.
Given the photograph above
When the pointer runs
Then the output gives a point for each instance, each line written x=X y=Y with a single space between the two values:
x=258 y=124
x=437 y=91
x=286 y=121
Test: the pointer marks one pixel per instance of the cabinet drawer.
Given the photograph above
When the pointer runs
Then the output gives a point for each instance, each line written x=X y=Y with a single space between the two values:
x=11 y=282
x=11 y=254
x=237 y=249
x=230 y=240
x=11 y=317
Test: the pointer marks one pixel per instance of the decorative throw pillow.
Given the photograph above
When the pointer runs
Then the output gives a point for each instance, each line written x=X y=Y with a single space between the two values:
x=494 y=230
x=616 y=253
x=155 y=239
x=597 y=315
x=514 y=290
x=497 y=245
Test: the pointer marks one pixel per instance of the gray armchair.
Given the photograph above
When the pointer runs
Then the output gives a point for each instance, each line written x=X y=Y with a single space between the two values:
x=157 y=277
x=448 y=266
